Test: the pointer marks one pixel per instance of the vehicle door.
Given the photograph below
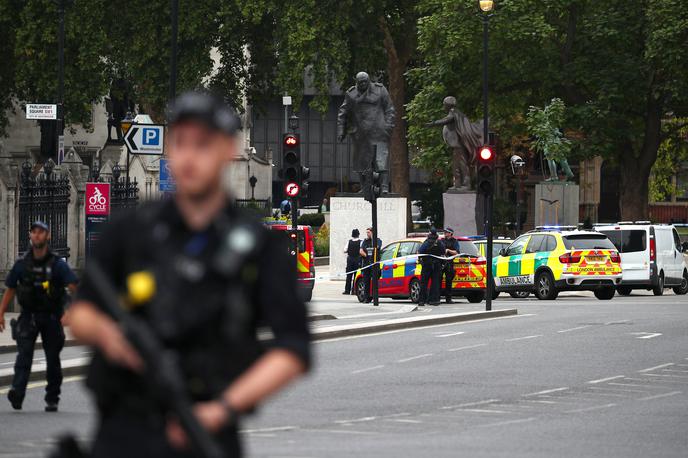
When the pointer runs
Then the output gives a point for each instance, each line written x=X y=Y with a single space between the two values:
x=677 y=262
x=664 y=241
x=509 y=265
x=387 y=255
x=634 y=250
x=403 y=267
x=527 y=273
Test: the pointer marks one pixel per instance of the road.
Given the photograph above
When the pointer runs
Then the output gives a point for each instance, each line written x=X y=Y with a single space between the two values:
x=569 y=378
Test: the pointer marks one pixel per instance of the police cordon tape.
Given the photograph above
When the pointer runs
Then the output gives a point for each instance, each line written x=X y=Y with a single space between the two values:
x=400 y=258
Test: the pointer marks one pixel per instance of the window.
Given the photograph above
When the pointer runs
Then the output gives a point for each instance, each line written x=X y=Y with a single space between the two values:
x=628 y=241
x=388 y=252
x=588 y=242
x=468 y=247
x=406 y=248
x=517 y=246
x=535 y=244
x=549 y=244
x=677 y=239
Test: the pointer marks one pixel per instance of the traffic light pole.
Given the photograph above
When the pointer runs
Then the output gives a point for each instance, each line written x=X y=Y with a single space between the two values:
x=375 y=274
x=490 y=195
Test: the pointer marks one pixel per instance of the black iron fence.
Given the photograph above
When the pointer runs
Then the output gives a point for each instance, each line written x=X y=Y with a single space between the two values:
x=261 y=207
x=43 y=196
x=123 y=194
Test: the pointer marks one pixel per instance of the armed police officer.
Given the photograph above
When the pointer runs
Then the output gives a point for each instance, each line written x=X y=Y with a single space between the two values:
x=431 y=268
x=452 y=248
x=202 y=277
x=39 y=281
x=367 y=257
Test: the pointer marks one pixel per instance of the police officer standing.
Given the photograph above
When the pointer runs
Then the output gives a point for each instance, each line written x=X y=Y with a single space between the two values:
x=213 y=275
x=451 y=246
x=39 y=280
x=431 y=270
x=367 y=256
x=353 y=259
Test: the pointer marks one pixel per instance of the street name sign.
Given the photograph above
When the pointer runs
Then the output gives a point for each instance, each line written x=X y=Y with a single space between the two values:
x=145 y=139
x=41 y=111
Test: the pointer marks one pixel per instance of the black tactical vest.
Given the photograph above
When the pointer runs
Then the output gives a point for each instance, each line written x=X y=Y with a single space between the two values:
x=37 y=291
x=353 y=249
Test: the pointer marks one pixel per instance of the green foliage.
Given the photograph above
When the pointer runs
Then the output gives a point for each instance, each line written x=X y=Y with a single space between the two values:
x=322 y=241
x=312 y=219
x=430 y=203
x=672 y=154
x=543 y=125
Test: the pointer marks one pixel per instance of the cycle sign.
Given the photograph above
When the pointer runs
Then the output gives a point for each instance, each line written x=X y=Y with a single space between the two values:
x=97 y=199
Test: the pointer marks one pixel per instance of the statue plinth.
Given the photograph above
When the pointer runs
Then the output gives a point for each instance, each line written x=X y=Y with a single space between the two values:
x=556 y=203
x=462 y=211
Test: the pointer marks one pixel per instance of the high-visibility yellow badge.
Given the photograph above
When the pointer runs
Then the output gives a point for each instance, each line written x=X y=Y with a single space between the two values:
x=141 y=287
x=45 y=285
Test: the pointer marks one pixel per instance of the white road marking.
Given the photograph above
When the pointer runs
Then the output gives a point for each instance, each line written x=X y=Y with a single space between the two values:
x=451 y=334
x=639 y=386
x=590 y=409
x=668 y=375
x=605 y=379
x=616 y=322
x=523 y=338
x=539 y=401
x=625 y=390
x=269 y=430
x=646 y=335
x=654 y=368
x=355 y=420
x=471 y=404
x=7 y=363
x=360 y=371
x=405 y=360
x=76 y=378
x=467 y=347
x=657 y=396
x=675 y=370
x=600 y=393
x=484 y=411
x=340 y=431
x=574 y=329
x=403 y=420
x=553 y=390
x=508 y=422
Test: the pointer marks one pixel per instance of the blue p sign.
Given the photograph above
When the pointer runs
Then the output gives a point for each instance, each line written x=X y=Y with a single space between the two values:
x=151 y=136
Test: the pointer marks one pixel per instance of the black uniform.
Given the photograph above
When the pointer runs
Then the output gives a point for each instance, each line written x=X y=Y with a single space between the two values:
x=207 y=317
x=353 y=262
x=431 y=270
x=367 y=246
x=40 y=286
x=448 y=268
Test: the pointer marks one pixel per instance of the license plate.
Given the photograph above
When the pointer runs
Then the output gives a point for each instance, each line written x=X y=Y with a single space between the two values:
x=596 y=258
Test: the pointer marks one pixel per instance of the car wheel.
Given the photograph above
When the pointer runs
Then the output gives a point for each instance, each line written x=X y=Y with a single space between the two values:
x=475 y=297
x=659 y=289
x=360 y=290
x=624 y=290
x=519 y=294
x=414 y=290
x=544 y=286
x=604 y=294
x=683 y=287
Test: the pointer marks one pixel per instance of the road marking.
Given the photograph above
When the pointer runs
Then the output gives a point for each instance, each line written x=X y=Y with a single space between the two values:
x=268 y=430
x=355 y=420
x=668 y=375
x=467 y=347
x=523 y=338
x=360 y=371
x=405 y=360
x=639 y=386
x=44 y=383
x=553 y=390
x=605 y=379
x=403 y=420
x=646 y=335
x=7 y=363
x=484 y=411
x=616 y=389
x=539 y=401
x=574 y=329
x=508 y=422
x=616 y=322
x=340 y=431
x=470 y=404
x=600 y=393
x=590 y=409
x=657 y=396
x=451 y=334
x=674 y=370
x=661 y=366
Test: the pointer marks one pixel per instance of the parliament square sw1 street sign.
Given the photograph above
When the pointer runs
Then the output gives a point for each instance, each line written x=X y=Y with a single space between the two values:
x=145 y=139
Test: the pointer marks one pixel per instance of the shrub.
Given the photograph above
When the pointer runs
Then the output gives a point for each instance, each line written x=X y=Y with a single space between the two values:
x=312 y=219
x=322 y=241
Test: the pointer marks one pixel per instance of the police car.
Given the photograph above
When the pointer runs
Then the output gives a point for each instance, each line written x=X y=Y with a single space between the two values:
x=551 y=259
x=400 y=270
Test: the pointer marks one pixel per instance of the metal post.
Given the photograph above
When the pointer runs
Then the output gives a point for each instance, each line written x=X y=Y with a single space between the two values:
x=375 y=274
x=60 y=76
x=490 y=196
x=173 y=52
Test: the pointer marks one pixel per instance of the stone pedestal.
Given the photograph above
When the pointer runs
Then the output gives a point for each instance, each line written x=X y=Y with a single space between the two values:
x=556 y=204
x=462 y=212
x=348 y=213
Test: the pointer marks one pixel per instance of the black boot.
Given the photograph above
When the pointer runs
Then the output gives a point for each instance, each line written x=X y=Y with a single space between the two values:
x=15 y=399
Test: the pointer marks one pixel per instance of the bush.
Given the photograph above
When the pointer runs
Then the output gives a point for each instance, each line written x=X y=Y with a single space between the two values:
x=322 y=241
x=312 y=219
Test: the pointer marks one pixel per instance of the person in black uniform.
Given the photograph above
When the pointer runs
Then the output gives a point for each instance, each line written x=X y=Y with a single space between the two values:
x=216 y=276
x=39 y=280
x=353 y=259
x=452 y=248
x=431 y=270
x=366 y=252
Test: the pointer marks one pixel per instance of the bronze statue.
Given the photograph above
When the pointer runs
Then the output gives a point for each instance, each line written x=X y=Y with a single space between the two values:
x=367 y=114
x=117 y=105
x=463 y=137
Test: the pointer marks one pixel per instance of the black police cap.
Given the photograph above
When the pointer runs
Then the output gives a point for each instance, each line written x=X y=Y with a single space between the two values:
x=205 y=108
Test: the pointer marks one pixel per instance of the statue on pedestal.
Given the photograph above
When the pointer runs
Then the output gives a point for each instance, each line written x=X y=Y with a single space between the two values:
x=367 y=115
x=463 y=137
x=543 y=124
x=117 y=105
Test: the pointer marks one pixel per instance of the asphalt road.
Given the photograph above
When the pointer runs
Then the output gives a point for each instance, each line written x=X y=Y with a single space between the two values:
x=569 y=378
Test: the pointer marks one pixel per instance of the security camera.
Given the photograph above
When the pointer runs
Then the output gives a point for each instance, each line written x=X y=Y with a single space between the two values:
x=518 y=165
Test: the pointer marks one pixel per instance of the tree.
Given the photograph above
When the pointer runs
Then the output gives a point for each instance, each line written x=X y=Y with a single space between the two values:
x=617 y=65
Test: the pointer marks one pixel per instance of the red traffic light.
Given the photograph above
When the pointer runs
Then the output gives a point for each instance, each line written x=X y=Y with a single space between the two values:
x=485 y=153
x=292 y=189
x=291 y=140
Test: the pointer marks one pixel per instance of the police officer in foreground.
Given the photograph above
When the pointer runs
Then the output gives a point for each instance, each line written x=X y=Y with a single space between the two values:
x=39 y=280
x=205 y=316
x=452 y=248
x=431 y=269
x=367 y=256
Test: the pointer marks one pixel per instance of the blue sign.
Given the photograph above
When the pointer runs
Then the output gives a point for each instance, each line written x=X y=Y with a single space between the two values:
x=151 y=137
x=167 y=183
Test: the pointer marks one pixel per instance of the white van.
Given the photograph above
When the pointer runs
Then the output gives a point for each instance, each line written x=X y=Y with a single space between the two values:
x=651 y=256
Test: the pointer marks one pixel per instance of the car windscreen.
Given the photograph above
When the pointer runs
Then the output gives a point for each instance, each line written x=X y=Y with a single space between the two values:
x=628 y=241
x=588 y=242
x=468 y=247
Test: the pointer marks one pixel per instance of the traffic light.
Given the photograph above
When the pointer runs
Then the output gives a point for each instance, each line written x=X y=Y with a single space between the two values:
x=303 y=180
x=372 y=185
x=291 y=164
x=486 y=166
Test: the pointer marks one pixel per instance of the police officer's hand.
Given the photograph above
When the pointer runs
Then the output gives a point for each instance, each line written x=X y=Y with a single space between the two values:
x=116 y=347
x=213 y=415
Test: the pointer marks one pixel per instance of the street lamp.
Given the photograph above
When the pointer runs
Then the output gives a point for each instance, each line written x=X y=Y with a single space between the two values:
x=486 y=5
